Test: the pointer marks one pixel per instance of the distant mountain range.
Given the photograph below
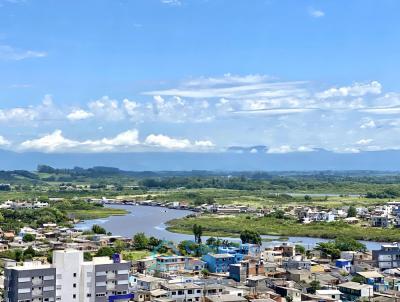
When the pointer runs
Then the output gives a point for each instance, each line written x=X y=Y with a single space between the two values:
x=235 y=159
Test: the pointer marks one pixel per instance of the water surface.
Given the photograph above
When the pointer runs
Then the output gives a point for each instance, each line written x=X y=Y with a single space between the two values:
x=151 y=221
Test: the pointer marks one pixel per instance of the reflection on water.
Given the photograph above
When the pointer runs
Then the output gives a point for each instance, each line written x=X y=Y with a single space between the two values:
x=151 y=221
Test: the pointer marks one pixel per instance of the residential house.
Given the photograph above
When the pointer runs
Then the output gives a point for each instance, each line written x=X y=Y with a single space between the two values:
x=354 y=290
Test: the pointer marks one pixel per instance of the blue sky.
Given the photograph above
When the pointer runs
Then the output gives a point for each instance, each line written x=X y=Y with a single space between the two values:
x=199 y=75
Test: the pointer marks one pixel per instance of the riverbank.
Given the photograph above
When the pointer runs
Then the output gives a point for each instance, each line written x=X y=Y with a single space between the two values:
x=96 y=213
x=231 y=226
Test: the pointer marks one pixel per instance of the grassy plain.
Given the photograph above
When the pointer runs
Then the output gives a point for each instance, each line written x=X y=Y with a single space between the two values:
x=95 y=213
x=232 y=225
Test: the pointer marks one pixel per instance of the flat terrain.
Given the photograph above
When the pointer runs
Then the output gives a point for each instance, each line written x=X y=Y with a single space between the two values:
x=216 y=225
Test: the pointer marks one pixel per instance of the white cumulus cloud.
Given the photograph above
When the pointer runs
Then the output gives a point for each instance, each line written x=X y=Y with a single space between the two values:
x=164 y=141
x=56 y=142
x=364 y=141
x=4 y=141
x=316 y=13
x=357 y=89
x=79 y=114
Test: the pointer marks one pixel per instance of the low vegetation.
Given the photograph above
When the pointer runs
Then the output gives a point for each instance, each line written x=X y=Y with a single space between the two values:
x=232 y=226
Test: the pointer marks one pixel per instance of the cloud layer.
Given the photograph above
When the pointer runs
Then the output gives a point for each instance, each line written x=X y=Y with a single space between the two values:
x=214 y=113
x=127 y=141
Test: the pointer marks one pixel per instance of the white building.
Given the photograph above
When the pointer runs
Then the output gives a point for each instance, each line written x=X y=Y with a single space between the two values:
x=329 y=294
x=100 y=280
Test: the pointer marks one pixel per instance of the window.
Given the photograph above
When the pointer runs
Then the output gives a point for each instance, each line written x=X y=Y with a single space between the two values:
x=24 y=290
x=190 y=291
x=74 y=285
x=74 y=296
x=24 y=279
x=48 y=288
x=74 y=275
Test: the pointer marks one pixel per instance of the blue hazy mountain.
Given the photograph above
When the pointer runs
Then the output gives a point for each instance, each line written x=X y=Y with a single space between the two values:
x=230 y=161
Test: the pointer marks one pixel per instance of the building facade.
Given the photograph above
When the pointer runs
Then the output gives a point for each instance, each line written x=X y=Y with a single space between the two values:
x=33 y=282
x=69 y=279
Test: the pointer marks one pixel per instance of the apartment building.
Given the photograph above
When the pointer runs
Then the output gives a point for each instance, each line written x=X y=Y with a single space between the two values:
x=388 y=256
x=69 y=279
x=33 y=282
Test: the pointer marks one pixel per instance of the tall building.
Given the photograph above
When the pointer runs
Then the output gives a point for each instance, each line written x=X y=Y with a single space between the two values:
x=31 y=282
x=69 y=279
x=388 y=256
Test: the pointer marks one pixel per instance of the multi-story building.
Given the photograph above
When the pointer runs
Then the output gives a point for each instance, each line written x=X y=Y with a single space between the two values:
x=287 y=249
x=70 y=279
x=388 y=256
x=245 y=269
x=188 y=292
x=168 y=264
x=31 y=282
x=219 y=263
x=296 y=262
x=110 y=278
x=380 y=221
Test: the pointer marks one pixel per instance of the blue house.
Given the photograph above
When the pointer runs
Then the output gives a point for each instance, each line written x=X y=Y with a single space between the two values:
x=219 y=263
x=253 y=250
x=343 y=264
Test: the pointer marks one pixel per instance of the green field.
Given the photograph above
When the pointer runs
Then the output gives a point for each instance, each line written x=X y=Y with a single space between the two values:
x=232 y=226
x=95 y=213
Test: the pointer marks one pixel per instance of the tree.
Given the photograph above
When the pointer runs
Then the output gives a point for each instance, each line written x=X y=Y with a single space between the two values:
x=197 y=232
x=18 y=255
x=140 y=241
x=314 y=286
x=248 y=236
x=329 y=249
x=120 y=245
x=154 y=242
x=333 y=248
x=205 y=272
x=29 y=253
x=289 y=299
x=351 y=212
x=98 y=229
x=349 y=244
x=28 y=237
x=307 y=198
x=87 y=256
x=211 y=241
x=358 y=279
x=105 y=251
x=300 y=249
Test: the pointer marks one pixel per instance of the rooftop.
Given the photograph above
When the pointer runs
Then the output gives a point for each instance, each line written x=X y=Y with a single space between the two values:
x=221 y=255
x=355 y=285
x=370 y=274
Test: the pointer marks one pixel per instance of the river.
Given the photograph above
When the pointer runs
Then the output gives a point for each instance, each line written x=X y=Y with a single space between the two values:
x=151 y=221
